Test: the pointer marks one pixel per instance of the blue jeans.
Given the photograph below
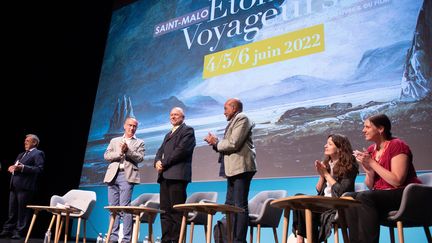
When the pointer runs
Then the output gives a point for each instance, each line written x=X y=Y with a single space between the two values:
x=120 y=194
x=237 y=195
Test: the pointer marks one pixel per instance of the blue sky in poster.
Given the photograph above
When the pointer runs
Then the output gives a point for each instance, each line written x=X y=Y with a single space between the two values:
x=152 y=69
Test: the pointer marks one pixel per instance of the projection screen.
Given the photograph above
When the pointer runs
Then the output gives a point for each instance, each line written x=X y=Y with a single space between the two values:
x=303 y=68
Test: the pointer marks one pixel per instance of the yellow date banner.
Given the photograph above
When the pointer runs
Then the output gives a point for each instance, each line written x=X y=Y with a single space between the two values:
x=290 y=45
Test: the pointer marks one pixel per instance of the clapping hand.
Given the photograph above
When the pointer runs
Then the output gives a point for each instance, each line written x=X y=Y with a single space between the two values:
x=321 y=168
x=211 y=139
x=364 y=158
x=15 y=167
x=123 y=146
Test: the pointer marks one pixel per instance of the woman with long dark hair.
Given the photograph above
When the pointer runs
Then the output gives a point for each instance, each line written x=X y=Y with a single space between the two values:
x=337 y=173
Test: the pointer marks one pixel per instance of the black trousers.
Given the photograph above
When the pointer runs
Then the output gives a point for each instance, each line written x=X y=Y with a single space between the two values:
x=237 y=195
x=299 y=224
x=364 y=221
x=19 y=214
x=172 y=192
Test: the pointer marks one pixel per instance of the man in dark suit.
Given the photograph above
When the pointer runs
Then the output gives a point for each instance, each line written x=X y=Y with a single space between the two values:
x=173 y=163
x=29 y=164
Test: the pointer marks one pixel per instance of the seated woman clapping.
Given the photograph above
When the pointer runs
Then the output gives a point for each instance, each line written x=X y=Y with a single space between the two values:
x=337 y=173
x=388 y=164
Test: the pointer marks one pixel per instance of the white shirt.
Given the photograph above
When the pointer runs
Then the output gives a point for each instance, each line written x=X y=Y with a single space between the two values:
x=327 y=190
x=127 y=141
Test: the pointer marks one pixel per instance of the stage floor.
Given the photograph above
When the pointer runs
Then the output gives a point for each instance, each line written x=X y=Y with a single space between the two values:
x=33 y=240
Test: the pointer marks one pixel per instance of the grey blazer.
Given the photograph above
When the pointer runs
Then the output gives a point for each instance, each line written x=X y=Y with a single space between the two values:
x=237 y=146
x=133 y=156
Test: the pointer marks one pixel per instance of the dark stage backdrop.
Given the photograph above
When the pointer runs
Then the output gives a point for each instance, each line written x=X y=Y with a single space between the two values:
x=304 y=69
x=52 y=54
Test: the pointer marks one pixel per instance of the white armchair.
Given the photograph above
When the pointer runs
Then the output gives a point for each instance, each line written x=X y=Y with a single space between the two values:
x=81 y=199
x=262 y=214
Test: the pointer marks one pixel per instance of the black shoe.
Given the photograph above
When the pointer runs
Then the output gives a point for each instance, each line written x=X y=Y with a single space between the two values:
x=5 y=234
x=16 y=236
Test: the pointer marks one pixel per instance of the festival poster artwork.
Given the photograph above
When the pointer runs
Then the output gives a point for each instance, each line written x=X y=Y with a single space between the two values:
x=303 y=68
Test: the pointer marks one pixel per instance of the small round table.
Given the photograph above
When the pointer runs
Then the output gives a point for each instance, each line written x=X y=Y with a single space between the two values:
x=313 y=204
x=211 y=209
x=136 y=211
x=57 y=212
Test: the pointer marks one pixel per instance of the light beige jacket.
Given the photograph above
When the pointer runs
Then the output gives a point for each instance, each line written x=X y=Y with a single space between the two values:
x=237 y=146
x=133 y=156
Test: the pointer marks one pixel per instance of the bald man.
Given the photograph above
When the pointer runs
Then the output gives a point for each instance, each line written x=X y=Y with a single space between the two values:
x=238 y=163
x=173 y=162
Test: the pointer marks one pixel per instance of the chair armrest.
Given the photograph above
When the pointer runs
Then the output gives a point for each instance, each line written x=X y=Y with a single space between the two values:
x=253 y=216
x=392 y=213
x=56 y=199
x=348 y=194
x=206 y=201
x=268 y=215
x=151 y=204
x=86 y=213
x=415 y=205
x=198 y=217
